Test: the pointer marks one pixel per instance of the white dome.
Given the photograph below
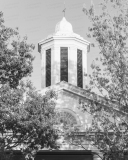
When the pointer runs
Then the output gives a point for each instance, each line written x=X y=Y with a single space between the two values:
x=63 y=27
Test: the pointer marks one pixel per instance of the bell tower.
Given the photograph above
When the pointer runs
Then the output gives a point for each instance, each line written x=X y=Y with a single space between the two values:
x=63 y=57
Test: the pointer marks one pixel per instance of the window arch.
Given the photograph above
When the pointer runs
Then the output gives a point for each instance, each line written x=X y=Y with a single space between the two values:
x=66 y=118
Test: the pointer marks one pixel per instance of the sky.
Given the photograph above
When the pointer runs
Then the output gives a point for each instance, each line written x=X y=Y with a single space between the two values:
x=38 y=18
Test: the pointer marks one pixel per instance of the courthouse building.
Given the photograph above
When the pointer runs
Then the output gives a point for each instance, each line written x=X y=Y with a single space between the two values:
x=64 y=69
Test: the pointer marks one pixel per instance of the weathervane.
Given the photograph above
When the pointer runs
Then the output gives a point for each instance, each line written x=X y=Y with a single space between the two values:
x=64 y=9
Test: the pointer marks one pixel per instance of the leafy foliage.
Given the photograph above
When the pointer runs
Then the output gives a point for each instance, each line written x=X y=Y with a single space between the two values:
x=15 y=61
x=26 y=117
x=110 y=31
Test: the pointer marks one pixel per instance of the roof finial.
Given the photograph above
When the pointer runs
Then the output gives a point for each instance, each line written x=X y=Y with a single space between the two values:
x=64 y=9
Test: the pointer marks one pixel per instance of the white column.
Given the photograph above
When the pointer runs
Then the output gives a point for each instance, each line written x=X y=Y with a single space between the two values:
x=56 y=65
x=84 y=67
x=72 y=65
x=43 y=68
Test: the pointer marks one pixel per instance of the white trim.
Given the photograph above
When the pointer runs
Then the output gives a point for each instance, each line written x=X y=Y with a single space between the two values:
x=63 y=38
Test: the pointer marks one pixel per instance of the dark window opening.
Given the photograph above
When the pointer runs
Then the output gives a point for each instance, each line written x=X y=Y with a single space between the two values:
x=48 y=67
x=64 y=64
x=79 y=69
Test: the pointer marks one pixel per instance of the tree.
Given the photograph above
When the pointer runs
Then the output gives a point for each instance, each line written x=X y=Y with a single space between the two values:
x=15 y=55
x=26 y=117
x=110 y=116
x=27 y=121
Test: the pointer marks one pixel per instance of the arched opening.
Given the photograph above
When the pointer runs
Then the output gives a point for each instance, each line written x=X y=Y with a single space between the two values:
x=67 y=119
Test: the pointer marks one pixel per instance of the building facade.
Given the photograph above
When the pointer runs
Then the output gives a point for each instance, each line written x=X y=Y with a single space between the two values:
x=64 y=69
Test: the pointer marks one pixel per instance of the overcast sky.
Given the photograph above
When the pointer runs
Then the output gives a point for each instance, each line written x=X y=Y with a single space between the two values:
x=38 y=18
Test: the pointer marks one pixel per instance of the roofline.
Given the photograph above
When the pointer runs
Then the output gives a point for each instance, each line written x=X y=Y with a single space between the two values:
x=91 y=96
x=61 y=38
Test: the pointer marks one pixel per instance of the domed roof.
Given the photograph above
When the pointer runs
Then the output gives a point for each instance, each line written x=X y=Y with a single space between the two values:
x=63 y=27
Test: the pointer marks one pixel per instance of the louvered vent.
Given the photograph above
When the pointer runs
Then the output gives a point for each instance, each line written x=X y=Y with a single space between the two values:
x=64 y=64
x=48 y=67
x=79 y=69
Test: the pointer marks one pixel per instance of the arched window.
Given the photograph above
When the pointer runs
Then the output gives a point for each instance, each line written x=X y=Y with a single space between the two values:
x=66 y=118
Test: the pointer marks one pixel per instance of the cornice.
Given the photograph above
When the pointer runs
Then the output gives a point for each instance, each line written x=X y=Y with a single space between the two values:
x=63 y=38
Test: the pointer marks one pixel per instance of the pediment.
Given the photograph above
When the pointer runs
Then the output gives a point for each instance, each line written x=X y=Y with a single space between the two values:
x=67 y=87
x=82 y=93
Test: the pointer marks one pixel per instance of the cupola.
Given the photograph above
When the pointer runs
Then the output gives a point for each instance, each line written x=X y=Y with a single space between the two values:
x=63 y=56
